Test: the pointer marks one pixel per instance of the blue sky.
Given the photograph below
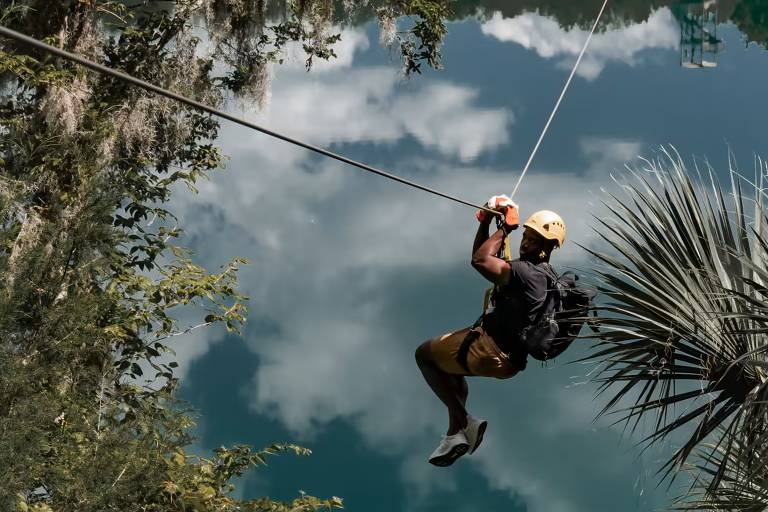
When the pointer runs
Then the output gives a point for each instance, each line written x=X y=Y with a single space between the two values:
x=350 y=272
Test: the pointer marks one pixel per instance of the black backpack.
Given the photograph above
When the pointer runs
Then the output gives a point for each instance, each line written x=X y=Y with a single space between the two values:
x=566 y=309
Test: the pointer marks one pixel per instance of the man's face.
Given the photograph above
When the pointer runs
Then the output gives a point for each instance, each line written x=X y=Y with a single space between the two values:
x=532 y=244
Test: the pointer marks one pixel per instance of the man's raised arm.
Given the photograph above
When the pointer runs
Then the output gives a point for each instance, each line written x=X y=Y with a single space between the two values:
x=485 y=248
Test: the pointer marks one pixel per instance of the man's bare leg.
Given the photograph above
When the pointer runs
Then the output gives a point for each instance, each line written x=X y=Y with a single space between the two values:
x=445 y=387
x=461 y=388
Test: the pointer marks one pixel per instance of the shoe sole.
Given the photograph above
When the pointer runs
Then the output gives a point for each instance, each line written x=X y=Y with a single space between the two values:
x=480 y=434
x=450 y=457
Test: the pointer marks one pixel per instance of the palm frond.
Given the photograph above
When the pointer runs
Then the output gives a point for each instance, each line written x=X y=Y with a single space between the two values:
x=684 y=322
x=742 y=487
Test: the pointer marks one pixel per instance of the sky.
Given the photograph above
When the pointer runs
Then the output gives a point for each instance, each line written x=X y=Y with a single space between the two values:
x=349 y=272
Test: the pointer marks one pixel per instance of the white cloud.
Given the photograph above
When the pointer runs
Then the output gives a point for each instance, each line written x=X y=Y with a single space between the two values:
x=337 y=103
x=366 y=105
x=609 y=152
x=433 y=118
x=550 y=40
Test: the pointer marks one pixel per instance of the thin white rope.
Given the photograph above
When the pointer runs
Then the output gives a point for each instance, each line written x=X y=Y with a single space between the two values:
x=562 y=95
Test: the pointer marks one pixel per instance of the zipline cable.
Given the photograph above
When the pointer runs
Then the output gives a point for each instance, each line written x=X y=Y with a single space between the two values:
x=12 y=34
x=560 y=100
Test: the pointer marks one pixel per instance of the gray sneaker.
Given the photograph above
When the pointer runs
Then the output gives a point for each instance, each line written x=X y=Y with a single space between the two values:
x=450 y=449
x=474 y=432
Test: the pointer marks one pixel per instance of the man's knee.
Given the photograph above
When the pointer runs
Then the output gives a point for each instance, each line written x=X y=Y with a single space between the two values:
x=423 y=353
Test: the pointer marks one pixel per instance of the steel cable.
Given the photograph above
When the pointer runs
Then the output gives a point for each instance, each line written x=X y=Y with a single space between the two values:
x=12 y=34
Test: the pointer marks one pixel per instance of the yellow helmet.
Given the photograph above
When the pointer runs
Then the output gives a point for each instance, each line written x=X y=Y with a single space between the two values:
x=548 y=224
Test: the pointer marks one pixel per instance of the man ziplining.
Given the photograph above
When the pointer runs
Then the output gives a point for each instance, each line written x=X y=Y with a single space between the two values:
x=493 y=346
x=526 y=320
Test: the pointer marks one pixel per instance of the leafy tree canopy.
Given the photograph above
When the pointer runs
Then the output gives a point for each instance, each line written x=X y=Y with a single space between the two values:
x=91 y=273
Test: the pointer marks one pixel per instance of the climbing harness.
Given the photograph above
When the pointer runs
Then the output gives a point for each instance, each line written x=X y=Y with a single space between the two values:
x=505 y=253
x=12 y=34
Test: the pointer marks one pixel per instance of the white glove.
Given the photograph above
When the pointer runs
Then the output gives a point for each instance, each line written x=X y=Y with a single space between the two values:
x=498 y=202
x=501 y=204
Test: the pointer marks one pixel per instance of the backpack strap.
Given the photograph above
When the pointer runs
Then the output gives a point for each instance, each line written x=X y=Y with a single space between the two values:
x=552 y=286
x=551 y=276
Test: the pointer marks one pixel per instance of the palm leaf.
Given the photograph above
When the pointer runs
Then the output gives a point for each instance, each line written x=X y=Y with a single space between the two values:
x=684 y=321
x=742 y=483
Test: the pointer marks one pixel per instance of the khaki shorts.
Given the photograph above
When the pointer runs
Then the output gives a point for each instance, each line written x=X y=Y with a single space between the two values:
x=484 y=358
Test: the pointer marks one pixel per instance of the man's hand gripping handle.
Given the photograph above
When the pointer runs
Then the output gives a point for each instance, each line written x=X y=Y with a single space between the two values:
x=504 y=205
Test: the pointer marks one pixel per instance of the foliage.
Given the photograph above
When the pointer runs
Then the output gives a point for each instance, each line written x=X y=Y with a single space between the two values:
x=427 y=34
x=685 y=320
x=248 y=41
x=91 y=276
x=751 y=16
x=744 y=484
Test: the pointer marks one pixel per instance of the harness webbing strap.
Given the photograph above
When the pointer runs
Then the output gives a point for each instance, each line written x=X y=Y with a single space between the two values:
x=463 y=355
x=552 y=289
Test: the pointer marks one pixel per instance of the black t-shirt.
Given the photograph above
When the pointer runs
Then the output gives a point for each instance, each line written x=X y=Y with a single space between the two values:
x=518 y=303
